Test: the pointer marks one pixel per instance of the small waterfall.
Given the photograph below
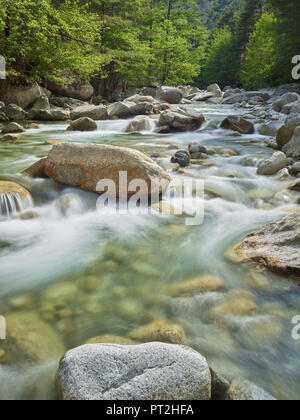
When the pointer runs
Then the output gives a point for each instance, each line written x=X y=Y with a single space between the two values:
x=11 y=204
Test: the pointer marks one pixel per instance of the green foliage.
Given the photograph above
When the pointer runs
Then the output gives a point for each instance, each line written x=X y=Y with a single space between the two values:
x=47 y=42
x=262 y=54
x=222 y=59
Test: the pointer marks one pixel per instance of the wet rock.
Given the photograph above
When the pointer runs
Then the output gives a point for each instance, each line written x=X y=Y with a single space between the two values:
x=270 y=129
x=111 y=339
x=12 y=187
x=292 y=148
x=170 y=95
x=242 y=390
x=234 y=306
x=238 y=124
x=10 y=137
x=286 y=132
x=96 y=113
x=84 y=165
x=14 y=112
x=49 y=114
x=41 y=103
x=181 y=158
x=293 y=108
x=13 y=128
x=28 y=215
x=30 y=340
x=83 y=124
x=219 y=385
x=163 y=331
x=196 y=150
x=139 y=125
x=234 y=99
x=295 y=186
x=153 y=371
x=295 y=168
x=181 y=121
x=271 y=166
x=275 y=246
x=37 y=170
x=139 y=98
x=195 y=285
x=284 y=100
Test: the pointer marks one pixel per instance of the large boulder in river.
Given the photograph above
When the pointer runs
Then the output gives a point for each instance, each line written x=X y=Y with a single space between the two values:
x=286 y=132
x=271 y=166
x=292 y=148
x=153 y=371
x=276 y=246
x=239 y=124
x=170 y=95
x=83 y=124
x=284 y=100
x=79 y=89
x=96 y=113
x=21 y=91
x=84 y=165
x=177 y=121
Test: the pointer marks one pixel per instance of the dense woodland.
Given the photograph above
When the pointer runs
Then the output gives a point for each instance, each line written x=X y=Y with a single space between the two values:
x=130 y=43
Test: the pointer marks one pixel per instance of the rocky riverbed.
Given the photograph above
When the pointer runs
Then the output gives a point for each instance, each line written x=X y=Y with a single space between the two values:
x=227 y=288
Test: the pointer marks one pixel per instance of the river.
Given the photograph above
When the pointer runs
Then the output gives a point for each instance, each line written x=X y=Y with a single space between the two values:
x=89 y=274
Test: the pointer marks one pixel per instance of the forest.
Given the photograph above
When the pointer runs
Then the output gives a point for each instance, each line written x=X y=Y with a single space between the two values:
x=118 y=44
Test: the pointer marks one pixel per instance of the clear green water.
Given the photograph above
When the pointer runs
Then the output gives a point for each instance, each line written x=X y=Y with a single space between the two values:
x=87 y=275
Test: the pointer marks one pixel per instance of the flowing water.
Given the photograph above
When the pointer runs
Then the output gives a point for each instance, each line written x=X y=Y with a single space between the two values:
x=88 y=274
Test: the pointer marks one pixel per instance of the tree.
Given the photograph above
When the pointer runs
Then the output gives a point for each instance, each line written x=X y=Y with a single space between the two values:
x=222 y=59
x=287 y=14
x=262 y=54
x=47 y=42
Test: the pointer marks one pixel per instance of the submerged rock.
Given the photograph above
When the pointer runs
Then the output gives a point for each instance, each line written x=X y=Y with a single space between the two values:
x=275 y=246
x=163 y=331
x=152 y=371
x=84 y=165
x=13 y=198
x=242 y=390
x=111 y=339
x=195 y=285
x=30 y=340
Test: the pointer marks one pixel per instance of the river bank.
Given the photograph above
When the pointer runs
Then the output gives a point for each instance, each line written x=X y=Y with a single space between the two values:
x=77 y=275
